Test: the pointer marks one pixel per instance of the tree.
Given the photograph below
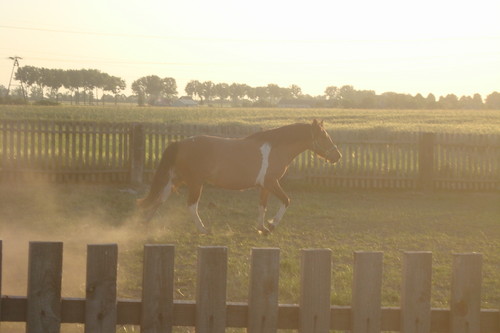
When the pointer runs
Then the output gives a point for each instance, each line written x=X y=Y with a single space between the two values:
x=295 y=90
x=169 y=90
x=262 y=94
x=221 y=90
x=194 y=88
x=493 y=101
x=477 y=102
x=333 y=95
x=448 y=102
x=332 y=92
x=208 y=90
x=365 y=99
x=154 y=90
x=251 y=93
x=346 y=96
x=236 y=92
x=30 y=76
x=274 y=92
x=430 y=101
x=419 y=101
x=74 y=81
x=113 y=84
x=54 y=79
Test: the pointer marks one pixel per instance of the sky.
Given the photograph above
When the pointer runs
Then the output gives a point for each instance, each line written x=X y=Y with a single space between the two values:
x=428 y=46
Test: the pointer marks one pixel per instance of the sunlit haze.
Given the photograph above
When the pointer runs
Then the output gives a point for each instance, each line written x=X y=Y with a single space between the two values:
x=438 y=47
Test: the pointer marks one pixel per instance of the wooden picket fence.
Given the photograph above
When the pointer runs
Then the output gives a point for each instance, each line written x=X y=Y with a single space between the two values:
x=123 y=152
x=43 y=309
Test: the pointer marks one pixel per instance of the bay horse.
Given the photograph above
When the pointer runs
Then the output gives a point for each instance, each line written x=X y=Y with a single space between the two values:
x=258 y=160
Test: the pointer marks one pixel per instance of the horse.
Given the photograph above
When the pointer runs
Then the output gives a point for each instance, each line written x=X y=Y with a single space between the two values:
x=257 y=161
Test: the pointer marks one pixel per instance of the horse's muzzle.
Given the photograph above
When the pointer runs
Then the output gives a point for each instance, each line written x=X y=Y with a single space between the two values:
x=334 y=156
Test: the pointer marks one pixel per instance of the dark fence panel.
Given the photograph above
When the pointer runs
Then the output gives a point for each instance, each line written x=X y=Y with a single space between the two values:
x=129 y=153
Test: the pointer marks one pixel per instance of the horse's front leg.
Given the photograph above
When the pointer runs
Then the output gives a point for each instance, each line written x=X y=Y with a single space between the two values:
x=275 y=188
x=261 y=221
x=193 y=199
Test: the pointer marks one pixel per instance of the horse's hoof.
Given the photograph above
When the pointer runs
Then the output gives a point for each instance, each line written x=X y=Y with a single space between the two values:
x=263 y=230
x=270 y=226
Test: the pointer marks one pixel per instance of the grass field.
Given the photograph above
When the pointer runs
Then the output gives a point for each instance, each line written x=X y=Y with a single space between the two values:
x=344 y=221
x=392 y=222
x=453 y=121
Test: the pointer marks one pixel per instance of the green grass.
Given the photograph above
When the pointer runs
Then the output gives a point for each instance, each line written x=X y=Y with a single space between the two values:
x=392 y=222
x=454 y=121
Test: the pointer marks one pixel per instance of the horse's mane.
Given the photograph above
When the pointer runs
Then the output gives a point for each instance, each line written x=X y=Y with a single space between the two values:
x=283 y=135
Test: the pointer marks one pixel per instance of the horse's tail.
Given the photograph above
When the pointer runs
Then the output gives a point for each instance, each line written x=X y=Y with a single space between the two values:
x=161 y=177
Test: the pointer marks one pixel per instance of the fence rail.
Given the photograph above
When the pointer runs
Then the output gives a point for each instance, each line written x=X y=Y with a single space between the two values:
x=43 y=309
x=124 y=152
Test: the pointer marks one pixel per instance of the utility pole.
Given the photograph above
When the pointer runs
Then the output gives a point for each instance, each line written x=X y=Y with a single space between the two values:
x=16 y=64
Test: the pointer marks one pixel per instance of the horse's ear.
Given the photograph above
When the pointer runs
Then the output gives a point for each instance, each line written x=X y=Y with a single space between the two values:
x=321 y=123
x=315 y=122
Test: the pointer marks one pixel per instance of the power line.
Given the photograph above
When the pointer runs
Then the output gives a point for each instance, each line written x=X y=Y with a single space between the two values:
x=216 y=39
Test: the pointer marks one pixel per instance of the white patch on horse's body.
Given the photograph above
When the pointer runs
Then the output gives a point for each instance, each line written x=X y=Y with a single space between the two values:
x=265 y=150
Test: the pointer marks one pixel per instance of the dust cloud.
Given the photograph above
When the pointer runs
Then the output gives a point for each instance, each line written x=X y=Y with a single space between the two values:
x=72 y=214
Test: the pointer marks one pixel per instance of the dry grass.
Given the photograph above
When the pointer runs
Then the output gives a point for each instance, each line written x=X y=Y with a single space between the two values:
x=453 y=121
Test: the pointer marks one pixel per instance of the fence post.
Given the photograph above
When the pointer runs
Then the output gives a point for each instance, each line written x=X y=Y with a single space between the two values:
x=137 y=142
x=44 y=287
x=316 y=272
x=1 y=255
x=465 y=304
x=158 y=289
x=367 y=292
x=263 y=294
x=426 y=161
x=416 y=292
x=211 y=288
x=100 y=302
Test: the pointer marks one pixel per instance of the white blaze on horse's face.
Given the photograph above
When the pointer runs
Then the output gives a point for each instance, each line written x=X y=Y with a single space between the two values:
x=265 y=150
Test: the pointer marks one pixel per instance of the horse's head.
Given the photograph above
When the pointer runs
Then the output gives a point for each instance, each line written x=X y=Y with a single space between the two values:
x=322 y=143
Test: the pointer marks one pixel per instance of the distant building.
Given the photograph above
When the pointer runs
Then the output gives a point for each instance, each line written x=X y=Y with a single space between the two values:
x=185 y=101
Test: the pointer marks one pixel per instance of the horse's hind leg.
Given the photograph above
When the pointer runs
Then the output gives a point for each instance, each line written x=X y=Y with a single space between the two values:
x=193 y=199
x=155 y=198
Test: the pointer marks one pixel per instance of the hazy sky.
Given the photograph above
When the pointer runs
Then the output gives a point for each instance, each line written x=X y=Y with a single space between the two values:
x=427 y=46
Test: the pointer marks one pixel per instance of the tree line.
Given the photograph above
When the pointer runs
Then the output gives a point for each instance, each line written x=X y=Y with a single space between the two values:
x=84 y=85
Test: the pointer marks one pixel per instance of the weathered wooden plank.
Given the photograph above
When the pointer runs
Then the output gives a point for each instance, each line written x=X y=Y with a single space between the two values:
x=158 y=289
x=465 y=304
x=1 y=256
x=44 y=287
x=73 y=311
x=263 y=293
x=100 y=306
x=416 y=292
x=137 y=153
x=211 y=289
x=315 y=290
x=426 y=160
x=366 y=292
